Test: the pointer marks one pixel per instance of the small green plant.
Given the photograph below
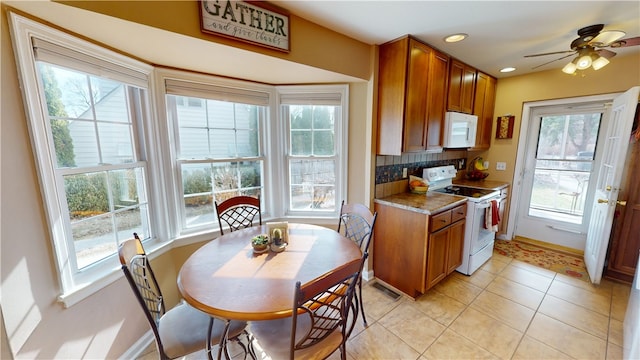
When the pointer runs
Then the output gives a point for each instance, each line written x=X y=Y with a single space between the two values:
x=260 y=240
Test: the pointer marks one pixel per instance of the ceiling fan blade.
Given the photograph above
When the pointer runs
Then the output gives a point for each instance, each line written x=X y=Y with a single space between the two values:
x=550 y=53
x=626 y=42
x=608 y=54
x=605 y=38
x=549 y=62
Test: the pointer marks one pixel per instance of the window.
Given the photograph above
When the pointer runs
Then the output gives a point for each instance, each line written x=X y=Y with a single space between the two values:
x=105 y=163
x=85 y=130
x=563 y=163
x=218 y=145
x=315 y=120
x=230 y=145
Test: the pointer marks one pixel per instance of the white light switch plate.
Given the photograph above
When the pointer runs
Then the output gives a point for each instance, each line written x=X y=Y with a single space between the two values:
x=501 y=165
x=404 y=173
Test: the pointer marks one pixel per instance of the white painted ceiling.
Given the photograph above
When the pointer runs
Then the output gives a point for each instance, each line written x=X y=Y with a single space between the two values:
x=501 y=33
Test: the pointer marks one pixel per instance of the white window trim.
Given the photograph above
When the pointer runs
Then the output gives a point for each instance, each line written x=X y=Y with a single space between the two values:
x=314 y=94
x=74 y=286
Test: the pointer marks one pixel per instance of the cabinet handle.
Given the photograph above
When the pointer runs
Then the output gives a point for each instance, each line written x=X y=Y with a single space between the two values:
x=443 y=220
x=460 y=213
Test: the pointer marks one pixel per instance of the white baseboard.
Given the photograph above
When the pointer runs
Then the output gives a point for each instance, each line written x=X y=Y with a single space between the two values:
x=136 y=350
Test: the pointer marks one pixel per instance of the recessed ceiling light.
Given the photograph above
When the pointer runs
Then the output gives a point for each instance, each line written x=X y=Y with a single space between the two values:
x=455 y=37
x=507 y=69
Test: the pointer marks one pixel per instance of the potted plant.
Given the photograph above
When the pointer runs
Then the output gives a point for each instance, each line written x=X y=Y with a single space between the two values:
x=260 y=243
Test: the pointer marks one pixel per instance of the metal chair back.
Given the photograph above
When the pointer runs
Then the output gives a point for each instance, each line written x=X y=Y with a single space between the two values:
x=356 y=223
x=327 y=302
x=139 y=274
x=238 y=212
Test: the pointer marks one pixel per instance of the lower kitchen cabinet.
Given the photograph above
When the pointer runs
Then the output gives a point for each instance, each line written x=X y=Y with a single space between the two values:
x=444 y=253
x=413 y=251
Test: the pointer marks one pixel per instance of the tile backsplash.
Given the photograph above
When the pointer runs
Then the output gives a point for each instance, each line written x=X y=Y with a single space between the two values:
x=389 y=178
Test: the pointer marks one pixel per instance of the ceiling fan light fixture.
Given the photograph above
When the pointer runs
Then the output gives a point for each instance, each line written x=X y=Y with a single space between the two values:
x=599 y=63
x=583 y=62
x=570 y=68
x=455 y=37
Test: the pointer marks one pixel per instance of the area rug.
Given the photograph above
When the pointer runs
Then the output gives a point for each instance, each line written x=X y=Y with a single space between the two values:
x=558 y=261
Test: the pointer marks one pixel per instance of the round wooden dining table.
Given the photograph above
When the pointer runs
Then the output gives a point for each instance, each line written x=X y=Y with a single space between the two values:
x=226 y=279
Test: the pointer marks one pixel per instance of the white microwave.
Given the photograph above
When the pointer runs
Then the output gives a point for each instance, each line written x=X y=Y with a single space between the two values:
x=460 y=130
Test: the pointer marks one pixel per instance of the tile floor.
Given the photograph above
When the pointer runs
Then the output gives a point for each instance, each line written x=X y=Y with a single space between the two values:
x=507 y=309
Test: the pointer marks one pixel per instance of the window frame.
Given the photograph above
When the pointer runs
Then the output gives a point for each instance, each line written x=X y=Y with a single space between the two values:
x=76 y=284
x=337 y=95
x=170 y=141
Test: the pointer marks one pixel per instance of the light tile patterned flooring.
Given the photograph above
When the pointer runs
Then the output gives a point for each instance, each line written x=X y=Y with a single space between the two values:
x=507 y=309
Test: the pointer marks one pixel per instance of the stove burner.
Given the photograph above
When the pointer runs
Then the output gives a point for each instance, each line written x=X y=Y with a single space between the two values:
x=465 y=191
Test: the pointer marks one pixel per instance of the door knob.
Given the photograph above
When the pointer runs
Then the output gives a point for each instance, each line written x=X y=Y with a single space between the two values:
x=619 y=202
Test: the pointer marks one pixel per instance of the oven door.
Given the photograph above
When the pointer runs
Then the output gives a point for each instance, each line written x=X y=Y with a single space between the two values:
x=480 y=236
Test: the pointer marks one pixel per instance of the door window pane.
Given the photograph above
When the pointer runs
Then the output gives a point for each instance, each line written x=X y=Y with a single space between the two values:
x=564 y=159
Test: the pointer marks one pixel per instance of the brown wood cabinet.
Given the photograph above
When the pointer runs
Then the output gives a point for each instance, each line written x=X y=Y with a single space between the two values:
x=412 y=84
x=462 y=84
x=413 y=251
x=483 y=105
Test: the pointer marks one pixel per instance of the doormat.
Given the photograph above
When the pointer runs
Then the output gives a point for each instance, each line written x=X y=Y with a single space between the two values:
x=560 y=262
x=386 y=291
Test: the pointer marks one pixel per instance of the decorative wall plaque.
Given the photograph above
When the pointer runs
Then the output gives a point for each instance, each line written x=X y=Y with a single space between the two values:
x=504 y=130
x=250 y=21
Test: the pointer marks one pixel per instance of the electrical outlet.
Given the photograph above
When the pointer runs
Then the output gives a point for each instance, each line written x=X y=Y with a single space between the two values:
x=501 y=165
x=404 y=173
x=486 y=164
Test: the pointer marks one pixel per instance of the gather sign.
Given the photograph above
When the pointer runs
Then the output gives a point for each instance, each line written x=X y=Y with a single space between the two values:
x=246 y=21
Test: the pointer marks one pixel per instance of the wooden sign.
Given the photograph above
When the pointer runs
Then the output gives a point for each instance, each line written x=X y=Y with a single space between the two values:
x=253 y=22
x=504 y=130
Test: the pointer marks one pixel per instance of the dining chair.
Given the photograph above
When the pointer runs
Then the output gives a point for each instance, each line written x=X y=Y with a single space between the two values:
x=318 y=325
x=183 y=329
x=356 y=222
x=238 y=212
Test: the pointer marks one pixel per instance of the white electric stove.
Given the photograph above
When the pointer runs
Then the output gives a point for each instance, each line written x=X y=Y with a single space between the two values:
x=478 y=240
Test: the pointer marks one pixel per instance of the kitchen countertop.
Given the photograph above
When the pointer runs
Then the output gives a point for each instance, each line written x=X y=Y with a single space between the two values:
x=482 y=184
x=429 y=203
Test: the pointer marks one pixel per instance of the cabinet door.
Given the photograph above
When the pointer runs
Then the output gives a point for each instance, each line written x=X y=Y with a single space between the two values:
x=415 y=117
x=468 y=89
x=484 y=102
x=438 y=80
x=456 y=75
x=392 y=83
x=456 y=242
x=438 y=250
x=462 y=82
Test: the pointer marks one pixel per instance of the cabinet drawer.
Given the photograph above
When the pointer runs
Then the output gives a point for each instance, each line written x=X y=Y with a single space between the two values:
x=440 y=220
x=458 y=213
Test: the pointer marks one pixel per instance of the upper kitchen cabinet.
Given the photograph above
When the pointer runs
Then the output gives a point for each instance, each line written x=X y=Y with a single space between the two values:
x=462 y=82
x=483 y=105
x=412 y=86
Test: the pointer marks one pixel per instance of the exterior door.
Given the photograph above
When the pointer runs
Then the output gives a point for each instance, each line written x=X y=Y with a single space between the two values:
x=559 y=175
x=615 y=143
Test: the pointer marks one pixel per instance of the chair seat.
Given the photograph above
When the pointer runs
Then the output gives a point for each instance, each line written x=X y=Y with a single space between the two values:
x=183 y=330
x=274 y=336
